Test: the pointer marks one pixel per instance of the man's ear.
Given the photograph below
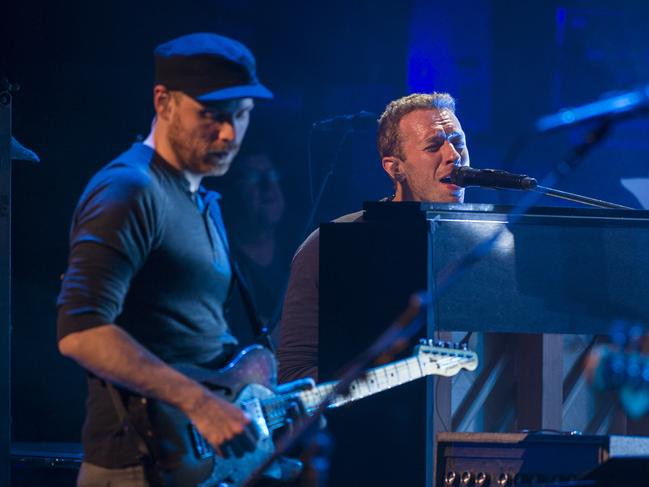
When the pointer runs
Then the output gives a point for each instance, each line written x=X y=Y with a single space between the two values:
x=162 y=101
x=394 y=167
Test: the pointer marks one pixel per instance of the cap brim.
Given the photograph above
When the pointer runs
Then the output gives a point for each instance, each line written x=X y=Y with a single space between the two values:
x=244 y=91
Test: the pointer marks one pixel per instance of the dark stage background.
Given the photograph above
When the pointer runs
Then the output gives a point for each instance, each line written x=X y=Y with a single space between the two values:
x=86 y=73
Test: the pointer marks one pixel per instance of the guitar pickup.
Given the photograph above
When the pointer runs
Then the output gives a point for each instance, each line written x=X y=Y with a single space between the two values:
x=202 y=449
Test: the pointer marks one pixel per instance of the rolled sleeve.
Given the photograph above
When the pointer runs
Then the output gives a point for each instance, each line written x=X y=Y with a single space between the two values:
x=112 y=232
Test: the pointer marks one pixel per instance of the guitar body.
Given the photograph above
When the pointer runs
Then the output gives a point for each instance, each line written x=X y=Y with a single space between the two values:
x=185 y=457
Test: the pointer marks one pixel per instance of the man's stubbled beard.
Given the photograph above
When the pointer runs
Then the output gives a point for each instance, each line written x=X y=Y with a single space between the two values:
x=196 y=157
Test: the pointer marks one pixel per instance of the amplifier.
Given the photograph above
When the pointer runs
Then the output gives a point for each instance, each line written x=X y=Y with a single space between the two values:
x=45 y=464
x=508 y=460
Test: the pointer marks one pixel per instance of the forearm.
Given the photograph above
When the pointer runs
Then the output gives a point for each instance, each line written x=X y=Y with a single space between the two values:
x=112 y=354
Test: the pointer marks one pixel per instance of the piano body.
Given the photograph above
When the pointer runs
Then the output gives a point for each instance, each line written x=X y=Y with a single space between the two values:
x=556 y=271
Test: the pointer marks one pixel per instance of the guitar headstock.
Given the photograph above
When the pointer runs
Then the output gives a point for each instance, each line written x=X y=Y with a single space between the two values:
x=445 y=358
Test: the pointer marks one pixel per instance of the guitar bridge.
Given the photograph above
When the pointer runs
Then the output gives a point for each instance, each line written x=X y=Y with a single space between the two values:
x=202 y=449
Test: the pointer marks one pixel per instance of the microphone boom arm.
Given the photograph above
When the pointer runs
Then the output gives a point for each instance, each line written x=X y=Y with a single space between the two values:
x=577 y=198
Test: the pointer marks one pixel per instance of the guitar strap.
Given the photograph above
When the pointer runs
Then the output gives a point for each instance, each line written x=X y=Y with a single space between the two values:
x=145 y=450
x=259 y=330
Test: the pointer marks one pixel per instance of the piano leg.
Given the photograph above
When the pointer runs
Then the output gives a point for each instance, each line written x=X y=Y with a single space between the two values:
x=539 y=374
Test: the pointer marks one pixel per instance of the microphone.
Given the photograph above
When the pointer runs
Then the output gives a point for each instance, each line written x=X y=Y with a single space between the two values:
x=625 y=104
x=357 y=122
x=465 y=176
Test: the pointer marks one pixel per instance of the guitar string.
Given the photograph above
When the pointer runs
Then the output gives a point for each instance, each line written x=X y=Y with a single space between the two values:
x=275 y=409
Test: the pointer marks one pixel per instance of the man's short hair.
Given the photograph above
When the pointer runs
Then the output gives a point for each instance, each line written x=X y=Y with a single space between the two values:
x=388 y=139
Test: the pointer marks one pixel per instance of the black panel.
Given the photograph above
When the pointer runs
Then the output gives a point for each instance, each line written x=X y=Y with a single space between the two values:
x=367 y=273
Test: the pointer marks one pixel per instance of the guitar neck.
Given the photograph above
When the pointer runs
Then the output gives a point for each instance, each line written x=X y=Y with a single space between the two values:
x=429 y=360
x=372 y=382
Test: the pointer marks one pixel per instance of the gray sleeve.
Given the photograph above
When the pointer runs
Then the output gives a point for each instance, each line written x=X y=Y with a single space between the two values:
x=298 y=344
x=113 y=230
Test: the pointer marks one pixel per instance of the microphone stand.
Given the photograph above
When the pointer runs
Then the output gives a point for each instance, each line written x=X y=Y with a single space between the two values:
x=577 y=198
x=315 y=206
x=591 y=139
x=566 y=166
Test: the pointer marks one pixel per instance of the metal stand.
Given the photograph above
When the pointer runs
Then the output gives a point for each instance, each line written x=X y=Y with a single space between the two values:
x=5 y=282
x=308 y=226
x=10 y=149
x=577 y=198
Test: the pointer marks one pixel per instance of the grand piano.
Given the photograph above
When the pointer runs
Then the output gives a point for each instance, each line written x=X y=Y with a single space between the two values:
x=555 y=271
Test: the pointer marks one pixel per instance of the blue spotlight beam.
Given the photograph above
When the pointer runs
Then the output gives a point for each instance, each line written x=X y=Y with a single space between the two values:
x=625 y=105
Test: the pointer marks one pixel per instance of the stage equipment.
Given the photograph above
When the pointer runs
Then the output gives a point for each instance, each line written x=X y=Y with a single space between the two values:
x=466 y=177
x=10 y=149
x=557 y=270
x=342 y=127
x=548 y=459
x=624 y=105
x=51 y=464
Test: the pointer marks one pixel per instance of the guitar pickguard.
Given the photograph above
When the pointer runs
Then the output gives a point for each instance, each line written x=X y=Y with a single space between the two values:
x=234 y=471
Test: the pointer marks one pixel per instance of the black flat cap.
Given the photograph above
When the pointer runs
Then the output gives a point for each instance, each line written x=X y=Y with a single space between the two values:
x=208 y=67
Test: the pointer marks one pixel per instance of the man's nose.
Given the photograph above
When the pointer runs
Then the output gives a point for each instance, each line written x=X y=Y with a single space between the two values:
x=226 y=131
x=451 y=155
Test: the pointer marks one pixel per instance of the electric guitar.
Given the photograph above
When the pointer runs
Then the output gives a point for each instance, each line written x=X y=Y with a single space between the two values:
x=248 y=381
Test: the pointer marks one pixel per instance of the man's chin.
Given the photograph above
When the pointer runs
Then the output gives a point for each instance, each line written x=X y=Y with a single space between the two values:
x=220 y=170
x=216 y=166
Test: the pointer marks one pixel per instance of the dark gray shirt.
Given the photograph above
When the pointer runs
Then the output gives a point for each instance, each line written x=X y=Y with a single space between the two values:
x=144 y=254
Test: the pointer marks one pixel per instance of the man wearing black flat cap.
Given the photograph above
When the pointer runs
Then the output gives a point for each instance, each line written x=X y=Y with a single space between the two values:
x=148 y=271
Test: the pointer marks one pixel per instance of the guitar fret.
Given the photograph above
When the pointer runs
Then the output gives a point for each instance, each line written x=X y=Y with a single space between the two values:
x=438 y=362
x=395 y=374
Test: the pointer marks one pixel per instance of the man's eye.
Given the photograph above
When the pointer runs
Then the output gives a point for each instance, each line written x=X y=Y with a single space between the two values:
x=433 y=148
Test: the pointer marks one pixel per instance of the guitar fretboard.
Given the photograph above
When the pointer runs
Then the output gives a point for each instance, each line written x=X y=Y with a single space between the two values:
x=372 y=382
